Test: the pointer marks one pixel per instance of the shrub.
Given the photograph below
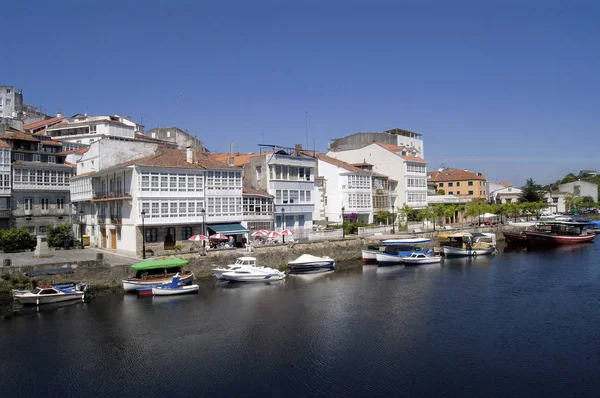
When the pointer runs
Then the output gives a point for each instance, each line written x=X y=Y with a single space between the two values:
x=60 y=235
x=14 y=239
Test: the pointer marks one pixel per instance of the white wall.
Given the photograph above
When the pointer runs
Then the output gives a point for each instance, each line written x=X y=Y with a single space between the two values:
x=585 y=189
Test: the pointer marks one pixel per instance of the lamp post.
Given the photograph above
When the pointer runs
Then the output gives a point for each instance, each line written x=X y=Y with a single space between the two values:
x=393 y=222
x=343 y=230
x=81 y=228
x=203 y=212
x=282 y=222
x=143 y=235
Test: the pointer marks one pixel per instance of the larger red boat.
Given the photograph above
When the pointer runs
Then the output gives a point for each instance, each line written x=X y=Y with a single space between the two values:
x=552 y=233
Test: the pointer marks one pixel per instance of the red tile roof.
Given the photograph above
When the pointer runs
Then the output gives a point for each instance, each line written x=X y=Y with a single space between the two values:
x=51 y=142
x=335 y=162
x=506 y=184
x=319 y=178
x=239 y=159
x=414 y=159
x=43 y=123
x=259 y=192
x=71 y=164
x=390 y=147
x=80 y=150
x=454 y=175
x=18 y=135
x=3 y=144
x=392 y=180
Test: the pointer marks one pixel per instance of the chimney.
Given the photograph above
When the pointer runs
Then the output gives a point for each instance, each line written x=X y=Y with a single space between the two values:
x=58 y=114
x=188 y=154
x=297 y=149
x=230 y=153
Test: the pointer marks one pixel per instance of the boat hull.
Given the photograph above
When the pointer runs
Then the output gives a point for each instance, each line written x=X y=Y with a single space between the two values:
x=218 y=272
x=460 y=252
x=133 y=284
x=369 y=255
x=233 y=277
x=515 y=238
x=542 y=239
x=49 y=298
x=386 y=258
x=312 y=268
x=419 y=261
x=168 y=291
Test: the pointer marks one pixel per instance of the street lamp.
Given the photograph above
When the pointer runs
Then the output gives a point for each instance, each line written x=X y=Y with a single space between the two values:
x=343 y=230
x=393 y=222
x=81 y=228
x=143 y=235
x=282 y=222
x=203 y=212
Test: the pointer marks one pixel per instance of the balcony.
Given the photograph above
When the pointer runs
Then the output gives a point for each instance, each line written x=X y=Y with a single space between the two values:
x=111 y=196
x=116 y=220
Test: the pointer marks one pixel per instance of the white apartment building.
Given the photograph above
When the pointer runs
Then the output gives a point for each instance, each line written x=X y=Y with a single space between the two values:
x=346 y=189
x=5 y=185
x=398 y=164
x=169 y=196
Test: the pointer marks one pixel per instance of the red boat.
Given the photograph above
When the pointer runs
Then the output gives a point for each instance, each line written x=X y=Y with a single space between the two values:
x=553 y=233
x=515 y=238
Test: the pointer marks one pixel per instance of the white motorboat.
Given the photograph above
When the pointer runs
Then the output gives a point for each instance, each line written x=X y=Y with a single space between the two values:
x=370 y=253
x=394 y=250
x=173 y=288
x=307 y=263
x=421 y=258
x=51 y=294
x=469 y=244
x=239 y=263
x=254 y=274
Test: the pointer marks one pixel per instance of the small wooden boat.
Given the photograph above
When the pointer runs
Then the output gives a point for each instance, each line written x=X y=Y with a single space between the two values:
x=393 y=250
x=157 y=272
x=469 y=244
x=173 y=288
x=306 y=264
x=515 y=238
x=553 y=233
x=370 y=253
x=421 y=258
x=51 y=294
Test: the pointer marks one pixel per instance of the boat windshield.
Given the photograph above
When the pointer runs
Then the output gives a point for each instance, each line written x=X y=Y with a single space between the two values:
x=36 y=290
x=48 y=291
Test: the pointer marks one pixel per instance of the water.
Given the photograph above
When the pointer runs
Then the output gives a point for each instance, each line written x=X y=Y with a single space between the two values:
x=517 y=323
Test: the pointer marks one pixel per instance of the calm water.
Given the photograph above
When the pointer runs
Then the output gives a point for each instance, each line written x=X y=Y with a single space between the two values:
x=517 y=323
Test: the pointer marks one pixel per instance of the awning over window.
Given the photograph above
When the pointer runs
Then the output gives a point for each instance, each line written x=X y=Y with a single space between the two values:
x=228 y=229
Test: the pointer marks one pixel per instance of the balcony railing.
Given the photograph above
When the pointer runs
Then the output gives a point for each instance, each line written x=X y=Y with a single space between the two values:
x=112 y=196
x=117 y=220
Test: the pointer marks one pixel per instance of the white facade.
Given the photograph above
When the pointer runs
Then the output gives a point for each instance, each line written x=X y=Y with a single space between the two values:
x=83 y=129
x=410 y=172
x=581 y=188
x=505 y=195
x=5 y=173
x=8 y=102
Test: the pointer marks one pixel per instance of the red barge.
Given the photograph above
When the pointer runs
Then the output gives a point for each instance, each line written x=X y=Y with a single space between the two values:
x=553 y=233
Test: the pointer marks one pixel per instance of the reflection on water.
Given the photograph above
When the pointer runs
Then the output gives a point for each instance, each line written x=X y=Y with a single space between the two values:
x=510 y=324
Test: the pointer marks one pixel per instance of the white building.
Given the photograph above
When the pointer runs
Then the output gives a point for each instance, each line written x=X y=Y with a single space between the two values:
x=396 y=163
x=505 y=195
x=171 y=194
x=556 y=199
x=345 y=186
x=5 y=185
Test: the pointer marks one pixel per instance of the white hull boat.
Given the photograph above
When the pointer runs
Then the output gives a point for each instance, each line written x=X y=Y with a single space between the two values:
x=239 y=263
x=457 y=251
x=420 y=258
x=171 y=291
x=388 y=258
x=134 y=284
x=50 y=294
x=369 y=254
x=307 y=264
x=254 y=274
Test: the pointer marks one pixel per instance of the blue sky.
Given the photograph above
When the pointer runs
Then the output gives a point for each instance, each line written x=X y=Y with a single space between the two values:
x=507 y=88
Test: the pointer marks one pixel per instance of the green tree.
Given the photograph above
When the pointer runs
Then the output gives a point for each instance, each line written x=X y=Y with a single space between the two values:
x=383 y=217
x=441 y=192
x=531 y=192
x=573 y=201
x=450 y=213
x=60 y=235
x=426 y=214
x=14 y=239
x=513 y=210
x=405 y=211
x=439 y=212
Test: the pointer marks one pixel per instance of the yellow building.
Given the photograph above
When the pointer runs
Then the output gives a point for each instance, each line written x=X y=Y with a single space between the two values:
x=460 y=183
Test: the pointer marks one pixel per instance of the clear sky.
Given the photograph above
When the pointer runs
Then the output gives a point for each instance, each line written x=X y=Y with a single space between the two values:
x=508 y=88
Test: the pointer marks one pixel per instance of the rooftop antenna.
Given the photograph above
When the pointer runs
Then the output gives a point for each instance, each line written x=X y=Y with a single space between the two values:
x=306 y=126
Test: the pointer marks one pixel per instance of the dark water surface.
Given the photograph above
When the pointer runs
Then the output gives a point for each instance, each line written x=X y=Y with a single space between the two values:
x=518 y=323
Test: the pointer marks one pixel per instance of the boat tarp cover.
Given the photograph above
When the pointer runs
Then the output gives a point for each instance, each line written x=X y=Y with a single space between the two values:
x=53 y=271
x=308 y=258
x=172 y=262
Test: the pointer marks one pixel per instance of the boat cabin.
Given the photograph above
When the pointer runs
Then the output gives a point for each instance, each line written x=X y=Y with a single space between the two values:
x=246 y=261
x=403 y=245
x=44 y=290
x=159 y=269
x=569 y=228
x=469 y=240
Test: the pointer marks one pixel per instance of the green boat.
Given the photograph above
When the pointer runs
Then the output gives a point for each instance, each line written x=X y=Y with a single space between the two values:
x=156 y=272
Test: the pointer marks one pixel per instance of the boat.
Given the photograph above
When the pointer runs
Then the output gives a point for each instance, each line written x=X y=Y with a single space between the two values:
x=173 y=288
x=469 y=244
x=393 y=250
x=254 y=274
x=157 y=272
x=515 y=238
x=421 y=258
x=51 y=294
x=370 y=253
x=307 y=263
x=552 y=233
x=239 y=263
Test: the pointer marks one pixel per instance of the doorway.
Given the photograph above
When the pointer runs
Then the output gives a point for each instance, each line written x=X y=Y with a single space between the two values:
x=113 y=238
x=103 y=244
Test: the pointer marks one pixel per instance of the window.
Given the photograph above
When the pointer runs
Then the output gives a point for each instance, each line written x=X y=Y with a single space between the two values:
x=37 y=158
x=285 y=196
x=19 y=156
x=60 y=203
x=42 y=229
x=182 y=185
x=151 y=235
x=28 y=202
x=278 y=196
x=93 y=129
x=45 y=202
x=186 y=232
x=168 y=134
x=293 y=173
x=451 y=193
x=470 y=192
x=169 y=235
x=278 y=172
x=8 y=91
x=145 y=182
x=308 y=199
x=164 y=183
x=450 y=184
x=470 y=183
x=441 y=185
x=8 y=102
x=294 y=196
x=458 y=192
x=258 y=173
x=154 y=178
x=51 y=159
x=458 y=183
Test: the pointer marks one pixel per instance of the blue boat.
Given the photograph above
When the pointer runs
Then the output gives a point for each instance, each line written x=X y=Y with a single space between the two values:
x=393 y=250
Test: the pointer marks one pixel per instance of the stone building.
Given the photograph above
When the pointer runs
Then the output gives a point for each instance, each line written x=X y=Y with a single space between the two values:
x=177 y=136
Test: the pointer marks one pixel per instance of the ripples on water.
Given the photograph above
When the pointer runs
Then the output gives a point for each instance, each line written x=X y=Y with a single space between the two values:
x=518 y=323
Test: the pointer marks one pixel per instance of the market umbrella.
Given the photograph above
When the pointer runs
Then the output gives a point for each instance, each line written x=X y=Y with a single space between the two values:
x=218 y=237
x=273 y=234
x=197 y=238
x=287 y=232
x=260 y=232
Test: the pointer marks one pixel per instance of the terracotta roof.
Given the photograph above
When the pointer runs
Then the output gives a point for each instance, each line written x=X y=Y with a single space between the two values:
x=239 y=159
x=319 y=178
x=392 y=180
x=506 y=184
x=171 y=158
x=252 y=191
x=80 y=150
x=454 y=175
x=414 y=159
x=71 y=164
x=361 y=164
x=51 y=142
x=335 y=162
x=65 y=124
x=3 y=144
x=84 y=174
x=390 y=147
x=42 y=123
x=18 y=135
